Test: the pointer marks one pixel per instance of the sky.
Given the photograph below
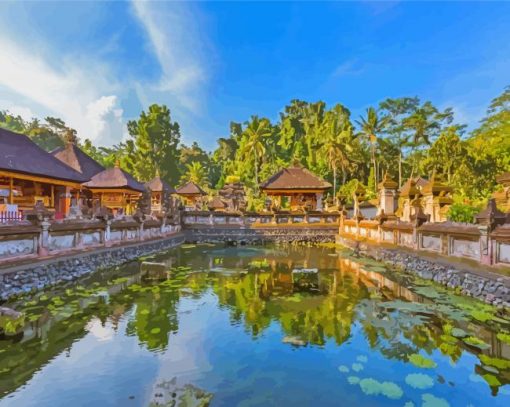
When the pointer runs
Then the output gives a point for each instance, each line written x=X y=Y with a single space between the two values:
x=99 y=64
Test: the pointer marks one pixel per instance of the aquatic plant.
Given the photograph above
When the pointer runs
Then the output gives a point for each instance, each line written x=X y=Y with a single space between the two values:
x=373 y=387
x=421 y=361
x=429 y=400
x=419 y=381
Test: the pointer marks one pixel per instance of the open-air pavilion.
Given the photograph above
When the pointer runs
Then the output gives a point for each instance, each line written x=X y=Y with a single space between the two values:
x=116 y=190
x=28 y=175
x=301 y=187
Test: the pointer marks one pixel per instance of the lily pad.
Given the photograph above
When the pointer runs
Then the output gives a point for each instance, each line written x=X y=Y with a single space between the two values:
x=429 y=400
x=477 y=343
x=373 y=387
x=419 y=381
x=362 y=359
x=343 y=369
x=496 y=362
x=421 y=361
x=491 y=380
x=504 y=337
x=357 y=367
x=353 y=379
x=458 y=333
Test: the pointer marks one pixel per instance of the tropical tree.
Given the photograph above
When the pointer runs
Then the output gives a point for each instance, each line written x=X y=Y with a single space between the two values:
x=370 y=127
x=338 y=143
x=254 y=143
x=195 y=172
x=155 y=140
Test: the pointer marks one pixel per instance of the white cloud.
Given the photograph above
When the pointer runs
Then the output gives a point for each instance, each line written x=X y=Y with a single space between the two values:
x=72 y=92
x=176 y=40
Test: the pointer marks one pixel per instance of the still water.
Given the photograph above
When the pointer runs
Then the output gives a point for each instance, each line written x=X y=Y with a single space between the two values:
x=255 y=326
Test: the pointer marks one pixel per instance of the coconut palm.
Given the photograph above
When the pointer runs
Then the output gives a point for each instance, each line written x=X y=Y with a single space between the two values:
x=254 y=143
x=370 y=127
x=195 y=172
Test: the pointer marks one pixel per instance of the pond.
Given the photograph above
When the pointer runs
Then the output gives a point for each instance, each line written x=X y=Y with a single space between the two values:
x=255 y=326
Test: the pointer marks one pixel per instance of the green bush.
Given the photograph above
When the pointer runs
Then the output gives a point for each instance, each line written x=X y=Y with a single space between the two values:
x=460 y=212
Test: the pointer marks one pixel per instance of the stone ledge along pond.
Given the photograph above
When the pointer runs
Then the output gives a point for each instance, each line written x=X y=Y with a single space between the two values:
x=254 y=326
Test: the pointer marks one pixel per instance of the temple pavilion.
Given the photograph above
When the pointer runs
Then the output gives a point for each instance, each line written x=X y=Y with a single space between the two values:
x=116 y=190
x=160 y=190
x=29 y=174
x=302 y=188
x=191 y=194
x=75 y=158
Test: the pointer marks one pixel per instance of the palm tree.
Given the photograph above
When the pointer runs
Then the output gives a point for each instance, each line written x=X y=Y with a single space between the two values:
x=254 y=143
x=338 y=143
x=196 y=173
x=370 y=127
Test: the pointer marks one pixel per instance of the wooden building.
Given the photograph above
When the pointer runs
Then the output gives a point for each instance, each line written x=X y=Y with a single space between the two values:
x=29 y=174
x=191 y=195
x=160 y=190
x=116 y=190
x=75 y=158
x=302 y=188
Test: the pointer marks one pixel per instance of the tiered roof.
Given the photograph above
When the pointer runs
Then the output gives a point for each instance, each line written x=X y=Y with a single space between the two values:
x=75 y=158
x=114 y=178
x=158 y=185
x=190 y=189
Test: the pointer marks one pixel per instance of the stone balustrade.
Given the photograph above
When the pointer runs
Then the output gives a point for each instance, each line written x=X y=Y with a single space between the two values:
x=486 y=243
x=24 y=240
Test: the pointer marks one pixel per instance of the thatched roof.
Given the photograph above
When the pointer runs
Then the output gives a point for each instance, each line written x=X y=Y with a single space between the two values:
x=295 y=178
x=216 y=204
x=412 y=186
x=20 y=154
x=190 y=189
x=78 y=160
x=112 y=178
x=158 y=185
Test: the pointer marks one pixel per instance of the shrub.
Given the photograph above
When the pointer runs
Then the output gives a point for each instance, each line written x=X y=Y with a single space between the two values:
x=460 y=212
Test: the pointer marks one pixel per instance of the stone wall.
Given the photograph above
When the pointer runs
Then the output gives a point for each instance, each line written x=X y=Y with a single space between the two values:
x=214 y=234
x=36 y=276
x=489 y=287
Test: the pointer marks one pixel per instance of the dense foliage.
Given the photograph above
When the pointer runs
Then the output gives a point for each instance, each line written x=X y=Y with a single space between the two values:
x=403 y=137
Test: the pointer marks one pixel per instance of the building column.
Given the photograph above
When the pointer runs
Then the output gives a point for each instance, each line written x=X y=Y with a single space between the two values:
x=319 y=201
x=11 y=190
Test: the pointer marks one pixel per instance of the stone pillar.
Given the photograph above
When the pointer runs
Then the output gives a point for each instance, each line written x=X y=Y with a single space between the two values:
x=487 y=220
x=319 y=201
x=107 y=232
x=388 y=196
x=44 y=240
x=485 y=245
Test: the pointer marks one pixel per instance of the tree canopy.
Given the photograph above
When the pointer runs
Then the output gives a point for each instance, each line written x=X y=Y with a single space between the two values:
x=403 y=137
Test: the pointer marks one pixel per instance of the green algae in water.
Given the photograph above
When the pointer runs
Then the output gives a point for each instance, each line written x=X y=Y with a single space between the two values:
x=421 y=361
x=419 y=381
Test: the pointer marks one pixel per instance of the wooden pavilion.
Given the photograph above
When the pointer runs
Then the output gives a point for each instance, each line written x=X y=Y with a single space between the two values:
x=29 y=174
x=304 y=189
x=116 y=190
x=160 y=190
x=75 y=158
x=191 y=194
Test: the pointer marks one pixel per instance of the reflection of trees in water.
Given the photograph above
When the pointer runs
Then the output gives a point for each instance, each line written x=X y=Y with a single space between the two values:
x=155 y=318
x=256 y=299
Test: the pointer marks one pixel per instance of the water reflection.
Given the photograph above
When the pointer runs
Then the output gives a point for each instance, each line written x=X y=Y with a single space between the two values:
x=401 y=319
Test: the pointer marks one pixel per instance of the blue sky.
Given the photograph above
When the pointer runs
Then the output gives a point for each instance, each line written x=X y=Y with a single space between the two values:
x=98 y=64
